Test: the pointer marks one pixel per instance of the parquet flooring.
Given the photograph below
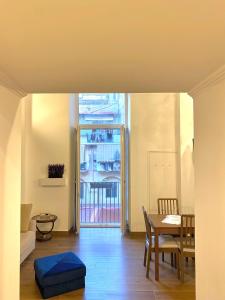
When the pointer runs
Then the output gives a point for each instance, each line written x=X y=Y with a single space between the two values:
x=115 y=269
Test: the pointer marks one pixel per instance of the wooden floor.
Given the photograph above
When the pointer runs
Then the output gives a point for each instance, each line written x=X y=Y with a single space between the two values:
x=115 y=269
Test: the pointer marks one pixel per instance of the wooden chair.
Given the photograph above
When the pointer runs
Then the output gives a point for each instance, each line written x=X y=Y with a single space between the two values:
x=146 y=239
x=168 y=206
x=166 y=244
x=187 y=240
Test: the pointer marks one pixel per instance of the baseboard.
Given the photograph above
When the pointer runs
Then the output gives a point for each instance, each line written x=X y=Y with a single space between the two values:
x=63 y=233
x=137 y=227
x=136 y=234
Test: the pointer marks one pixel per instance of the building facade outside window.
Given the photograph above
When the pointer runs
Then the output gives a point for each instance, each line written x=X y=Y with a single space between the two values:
x=100 y=148
x=102 y=108
x=100 y=155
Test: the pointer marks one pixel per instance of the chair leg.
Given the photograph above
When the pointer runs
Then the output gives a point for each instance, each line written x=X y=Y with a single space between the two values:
x=182 y=268
x=175 y=260
x=148 y=262
x=186 y=258
x=178 y=265
x=145 y=254
x=163 y=258
x=171 y=257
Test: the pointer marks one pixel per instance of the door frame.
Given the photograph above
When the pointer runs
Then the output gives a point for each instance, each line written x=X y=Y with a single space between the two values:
x=122 y=171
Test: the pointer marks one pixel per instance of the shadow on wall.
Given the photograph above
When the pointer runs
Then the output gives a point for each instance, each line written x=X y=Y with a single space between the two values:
x=187 y=180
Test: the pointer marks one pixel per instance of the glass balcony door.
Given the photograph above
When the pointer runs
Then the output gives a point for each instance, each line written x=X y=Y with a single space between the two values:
x=100 y=178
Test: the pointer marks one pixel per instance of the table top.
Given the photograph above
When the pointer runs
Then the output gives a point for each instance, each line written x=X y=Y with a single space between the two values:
x=45 y=218
x=156 y=221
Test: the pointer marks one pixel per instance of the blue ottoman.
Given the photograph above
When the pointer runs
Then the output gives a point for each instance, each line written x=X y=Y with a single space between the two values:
x=58 y=274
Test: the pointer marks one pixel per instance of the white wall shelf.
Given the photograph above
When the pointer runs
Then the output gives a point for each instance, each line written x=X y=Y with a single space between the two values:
x=52 y=181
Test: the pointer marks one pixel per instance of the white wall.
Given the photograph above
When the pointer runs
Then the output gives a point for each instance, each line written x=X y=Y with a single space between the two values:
x=152 y=128
x=209 y=158
x=186 y=129
x=48 y=138
x=10 y=193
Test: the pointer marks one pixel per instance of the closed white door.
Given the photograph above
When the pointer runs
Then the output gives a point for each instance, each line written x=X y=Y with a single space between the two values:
x=162 y=178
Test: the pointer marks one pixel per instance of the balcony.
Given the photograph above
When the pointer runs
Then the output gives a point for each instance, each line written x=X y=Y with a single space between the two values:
x=100 y=204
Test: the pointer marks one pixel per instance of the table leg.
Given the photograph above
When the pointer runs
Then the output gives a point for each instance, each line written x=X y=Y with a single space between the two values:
x=45 y=235
x=156 y=255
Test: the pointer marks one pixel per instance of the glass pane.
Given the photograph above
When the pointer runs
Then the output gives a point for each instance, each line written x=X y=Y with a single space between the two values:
x=102 y=108
x=100 y=176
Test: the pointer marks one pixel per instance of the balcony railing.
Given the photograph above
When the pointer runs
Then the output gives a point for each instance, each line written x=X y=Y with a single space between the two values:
x=100 y=203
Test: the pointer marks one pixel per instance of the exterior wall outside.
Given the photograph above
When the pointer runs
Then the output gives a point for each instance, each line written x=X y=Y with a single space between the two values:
x=10 y=193
x=87 y=177
x=96 y=108
x=99 y=160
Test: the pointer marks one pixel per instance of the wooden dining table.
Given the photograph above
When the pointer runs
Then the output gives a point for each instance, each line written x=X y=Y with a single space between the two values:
x=161 y=228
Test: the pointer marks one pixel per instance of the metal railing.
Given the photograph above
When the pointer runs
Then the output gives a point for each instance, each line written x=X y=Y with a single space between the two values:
x=100 y=203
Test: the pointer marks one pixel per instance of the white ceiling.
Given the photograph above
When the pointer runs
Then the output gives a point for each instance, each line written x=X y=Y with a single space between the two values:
x=111 y=45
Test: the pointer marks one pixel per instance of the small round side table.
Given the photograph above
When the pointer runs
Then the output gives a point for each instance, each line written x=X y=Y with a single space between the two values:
x=44 y=218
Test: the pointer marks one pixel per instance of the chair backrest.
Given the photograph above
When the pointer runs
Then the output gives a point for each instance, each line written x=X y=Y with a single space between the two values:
x=147 y=224
x=187 y=233
x=168 y=206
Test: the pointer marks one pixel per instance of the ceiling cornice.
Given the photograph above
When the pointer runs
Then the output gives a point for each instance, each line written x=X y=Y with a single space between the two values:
x=211 y=80
x=10 y=84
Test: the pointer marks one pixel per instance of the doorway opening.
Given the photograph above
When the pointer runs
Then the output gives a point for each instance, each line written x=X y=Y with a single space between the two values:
x=100 y=176
x=100 y=149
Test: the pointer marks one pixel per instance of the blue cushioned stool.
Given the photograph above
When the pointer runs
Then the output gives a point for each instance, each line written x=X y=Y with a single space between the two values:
x=58 y=274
